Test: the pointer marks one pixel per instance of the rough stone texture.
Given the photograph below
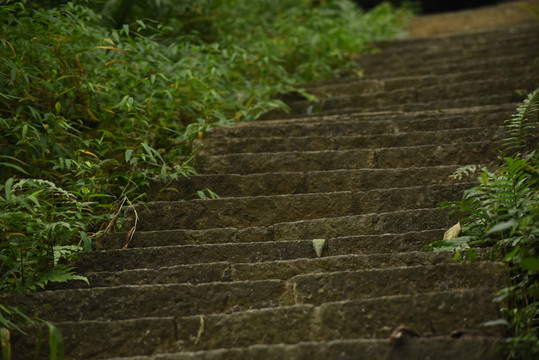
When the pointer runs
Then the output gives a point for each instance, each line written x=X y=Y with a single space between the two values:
x=433 y=313
x=238 y=277
x=402 y=157
x=268 y=210
x=445 y=348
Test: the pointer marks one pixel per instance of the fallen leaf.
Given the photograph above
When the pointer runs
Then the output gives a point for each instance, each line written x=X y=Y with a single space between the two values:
x=453 y=232
x=318 y=245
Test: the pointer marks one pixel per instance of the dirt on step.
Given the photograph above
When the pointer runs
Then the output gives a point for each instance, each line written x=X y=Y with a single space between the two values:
x=504 y=15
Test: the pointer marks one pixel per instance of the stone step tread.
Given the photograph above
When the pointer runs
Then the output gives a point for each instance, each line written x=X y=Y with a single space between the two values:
x=278 y=269
x=389 y=63
x=374 y=85
x=460 y=52
x=424 y=97
x=438 y=313
x=458 y=65
x=151 y=239
x=461 y=66
x=490 y=37
x=366 y=116
x=378 y=105
x=347 y=142
x=405 y=52
x=234 y=185
x=243 y=212
x=361 y=234
x=156 y=300
x=437 y=347
x=304 y=161
x=369 y=123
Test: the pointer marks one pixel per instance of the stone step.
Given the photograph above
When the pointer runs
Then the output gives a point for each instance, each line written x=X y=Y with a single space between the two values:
x=375 y=85
x=476 y=43
x=404 y=53
x=349 y=242
x=452 y=347
x=160 y=300
x=389 y=64
x=438 y=43
x=305 y=161
x=243 y=212
x=281 y=241
x=458 y=69
x=437 y=313
x=278 y=269
x=426 y=97
x=280 y=144
x=354 y=123
x=232 y=185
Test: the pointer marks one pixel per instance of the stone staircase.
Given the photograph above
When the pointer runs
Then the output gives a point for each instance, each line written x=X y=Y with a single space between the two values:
x=238 y=277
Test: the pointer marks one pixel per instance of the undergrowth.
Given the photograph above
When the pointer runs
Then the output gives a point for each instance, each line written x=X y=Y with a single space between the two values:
x=502 y=213
x=97 y=97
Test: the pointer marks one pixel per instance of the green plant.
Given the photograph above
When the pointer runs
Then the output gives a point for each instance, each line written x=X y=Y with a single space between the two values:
x=502 y=213
x=98 y=97
x=11 y=319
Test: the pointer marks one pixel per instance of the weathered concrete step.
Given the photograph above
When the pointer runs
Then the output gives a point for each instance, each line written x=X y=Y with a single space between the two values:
x=243 y=212
x=389 y=63
x=438 y=313
x=432 y=313
x=441 y=104
x=439 y=43
x=146 y=239
x=233 y=185
x=433 y=97
x=284 y=241
x=280 y=144
x=399 y=157
x=436 y=347
x=508 y=62
x=492 y=41
x=128 y=302
x=85 y=340
x=278 y=269
x=370 y=123
x=369 y=85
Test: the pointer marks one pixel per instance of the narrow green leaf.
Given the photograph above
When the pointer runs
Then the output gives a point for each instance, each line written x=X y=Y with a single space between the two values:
x=16 y=167
x=201 y=195
x=5 y=341
x=24 y=131
x=56 y=343
x=7 y=189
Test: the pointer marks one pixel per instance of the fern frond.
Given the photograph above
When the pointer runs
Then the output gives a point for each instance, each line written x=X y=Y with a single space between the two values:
x=519 y=127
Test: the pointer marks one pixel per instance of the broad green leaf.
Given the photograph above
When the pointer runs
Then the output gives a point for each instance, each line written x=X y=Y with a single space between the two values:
x=503 y=226
x=128 y=154
x=530 y=264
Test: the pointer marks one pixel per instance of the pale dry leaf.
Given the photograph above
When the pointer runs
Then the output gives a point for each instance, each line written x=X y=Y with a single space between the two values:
x=200 y=330
x=453 y=232
x=318 y=245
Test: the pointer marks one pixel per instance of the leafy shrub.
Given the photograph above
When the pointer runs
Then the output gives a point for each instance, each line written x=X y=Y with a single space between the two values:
x=89 y=112
x=502 y=212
